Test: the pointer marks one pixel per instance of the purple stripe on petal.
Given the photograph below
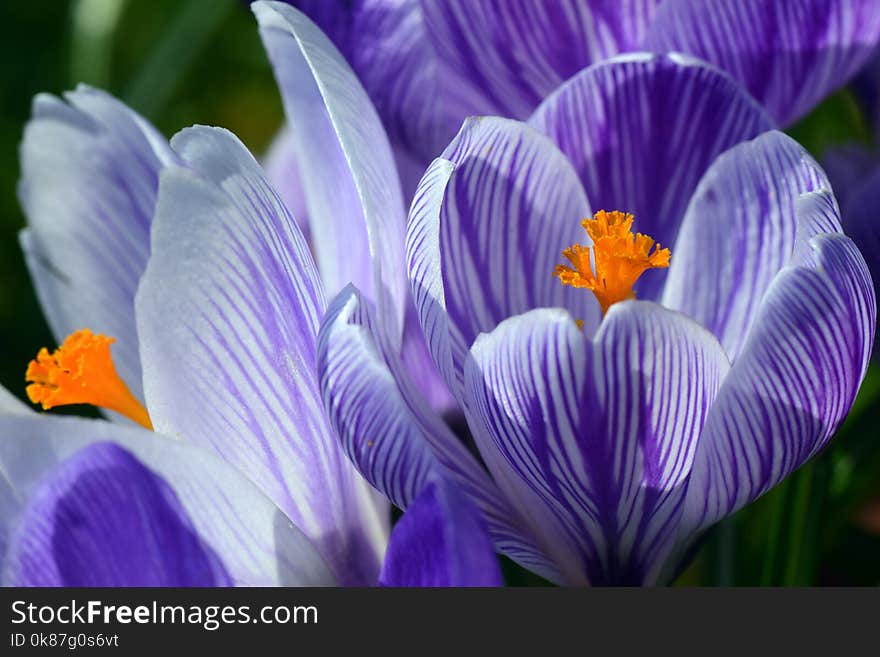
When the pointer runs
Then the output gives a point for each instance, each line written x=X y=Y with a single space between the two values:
x=281 y=163
x=504 y=56
x=364 y=404
x=228 y=314
x=440 y=541
x=789 y=55
x=793 y=383
x=510 y=206
x=89 y=176
x=641 y=130
x=103 y=519
x=738 y=232
x=390 y=433
x=604 y=431
x=421 y=369
x=423 y=261
x=386 y=43
x=352 y=191
x=256 y=542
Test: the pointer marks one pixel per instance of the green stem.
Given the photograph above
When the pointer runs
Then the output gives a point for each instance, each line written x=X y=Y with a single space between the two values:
x=801 y=545
x=774 y=538
x=724 y=568
x=93 y=24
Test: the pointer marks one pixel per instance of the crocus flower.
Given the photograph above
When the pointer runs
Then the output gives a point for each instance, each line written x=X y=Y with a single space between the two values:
x=428 y=64
x=623 y=395
x=185 y=256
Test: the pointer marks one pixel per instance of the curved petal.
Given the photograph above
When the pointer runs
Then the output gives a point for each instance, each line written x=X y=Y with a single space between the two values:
x=504 y=56
x=738 y=232
x=282 y=171
x=228 y=313
x=392 y=436
x=386 y=43
x=256 y=543
x=420 y=367
x=365 y=405
x=103 y=519
x=789 y=55
x=484 y=238
x=349 y=177
x=641 y=130
x=604 y=431
x=89 y=175
x=440 y=541
x=793 y=384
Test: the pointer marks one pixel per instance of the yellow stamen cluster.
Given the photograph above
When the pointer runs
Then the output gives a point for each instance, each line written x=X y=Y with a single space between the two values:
x=81 y=371
x=618 y=258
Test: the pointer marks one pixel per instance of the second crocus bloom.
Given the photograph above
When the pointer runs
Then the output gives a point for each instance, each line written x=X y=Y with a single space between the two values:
x=615 y=428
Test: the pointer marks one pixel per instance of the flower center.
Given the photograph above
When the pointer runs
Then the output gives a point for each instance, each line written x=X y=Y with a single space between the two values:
x=81 y=371
x=618 y=258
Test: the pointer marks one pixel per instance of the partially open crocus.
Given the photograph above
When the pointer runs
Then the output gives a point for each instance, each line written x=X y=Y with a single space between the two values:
x=623 y=395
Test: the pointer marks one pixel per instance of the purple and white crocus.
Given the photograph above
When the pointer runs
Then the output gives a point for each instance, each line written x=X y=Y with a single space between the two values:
x=607 y=448
x=503 y=57
x=185 y=254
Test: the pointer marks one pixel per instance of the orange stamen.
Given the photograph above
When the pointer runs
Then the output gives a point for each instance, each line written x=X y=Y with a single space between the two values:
x=81 y=371
x=619 y=258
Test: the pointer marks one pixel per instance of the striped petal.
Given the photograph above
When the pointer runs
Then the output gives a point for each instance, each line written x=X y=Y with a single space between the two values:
x=89 y=174
x=349 y=178
x=559 y=408
x=421 y=369
x=793 y=383
x=738 y=232
x=366 y=406
x=391 y=434
x=282 y=171
x=386 y=43
x=103 y=519
x=228 y=315
x=185 y=509
x=486 y=229
x=440 y=541
x=789 y=55
x=504 y=56
x=641 y=130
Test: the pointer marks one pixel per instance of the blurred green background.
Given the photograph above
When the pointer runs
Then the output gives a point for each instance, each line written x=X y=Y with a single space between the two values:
x=200 y=61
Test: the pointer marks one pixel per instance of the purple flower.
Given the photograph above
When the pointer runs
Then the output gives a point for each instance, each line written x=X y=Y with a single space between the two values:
x=607 y=448
x=428 y=64
x=187 y=256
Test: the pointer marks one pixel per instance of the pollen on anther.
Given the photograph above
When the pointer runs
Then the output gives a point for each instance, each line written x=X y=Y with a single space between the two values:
x=81 y=371
x=615 y=261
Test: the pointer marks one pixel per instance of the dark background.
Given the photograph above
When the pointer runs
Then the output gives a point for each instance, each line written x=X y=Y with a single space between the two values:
x=180 y=62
